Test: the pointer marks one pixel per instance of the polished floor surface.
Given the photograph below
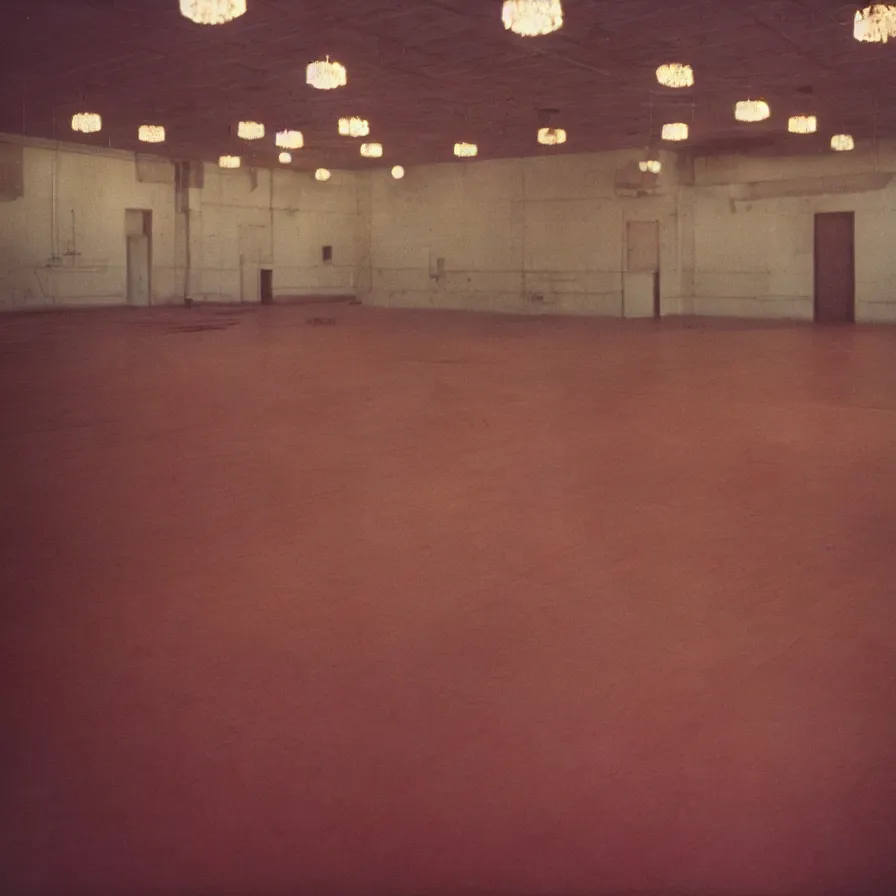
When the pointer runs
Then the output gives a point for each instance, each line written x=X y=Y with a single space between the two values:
x=431 y=603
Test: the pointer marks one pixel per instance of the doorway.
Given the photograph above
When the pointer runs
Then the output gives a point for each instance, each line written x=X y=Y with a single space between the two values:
x=641 y=280
x=138 y=236
x=835 y=275
x=266 y=286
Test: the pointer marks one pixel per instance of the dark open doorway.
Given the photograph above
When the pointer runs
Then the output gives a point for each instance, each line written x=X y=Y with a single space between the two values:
x=266 y=287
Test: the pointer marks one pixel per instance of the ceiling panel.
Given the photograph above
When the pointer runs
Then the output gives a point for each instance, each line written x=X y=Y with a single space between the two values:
x=430 y=72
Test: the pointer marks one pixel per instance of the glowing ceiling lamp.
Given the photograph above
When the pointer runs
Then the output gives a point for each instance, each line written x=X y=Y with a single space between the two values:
x=212 y=12
x=551 y=136
x=675 y=74
x=842 y=143
x=250 y=130
x=285 y=158
x=322 y=175
x=875 y=23
x=398 y=172
x=229 y=162
x=802 y=124
x=354 y=127
x=531 y=18
x=289 y=139
x=87 y=122
x=752 y=110
x=372 y=150
x=651 y=166
x=675 y=131
x=466 y=150
x=326 y=75
x=151 y=133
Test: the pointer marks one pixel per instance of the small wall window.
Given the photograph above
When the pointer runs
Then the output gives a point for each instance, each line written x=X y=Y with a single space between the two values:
x=327 y=253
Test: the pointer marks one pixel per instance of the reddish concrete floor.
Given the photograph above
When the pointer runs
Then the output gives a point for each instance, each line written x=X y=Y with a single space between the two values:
x=446 y=604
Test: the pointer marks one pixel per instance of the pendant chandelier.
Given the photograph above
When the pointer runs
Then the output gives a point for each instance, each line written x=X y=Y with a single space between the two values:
x=372 y=150
x=398 y=172
x=675 y=74
x=289 y=139
x=212 y=12
x=87 y=122
x=285 y=158
x=842 y=143
x=229 y=162
x=326 y=75
x=651 y=166
x=551 y=136
x=532 y=18
x=353 y=127
x=466 y=150
x=875 y=23
x=675 y=131
x=802 y=124
x=151 y=133
x=250 y=130
x=752 y=110
x=322 y=175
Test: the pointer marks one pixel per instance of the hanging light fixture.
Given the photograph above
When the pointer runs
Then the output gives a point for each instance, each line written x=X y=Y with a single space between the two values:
x=675 y=131
x=212 y=12
x=802 y=124
x=752 y=110
x=466 y=150
x=285 y=158
x=322 y=174
x=532 y=18
x=398 y=172
x=250 y=130
x=151 y=133
x=372 y=150
x=675 y=74
x=875 y=23
x=651 y=166
x=87 y=122
x=229 y=162
x=551 y=136
x=326 y=75
x=353 y=127
x=842 y=143
x=289 y=140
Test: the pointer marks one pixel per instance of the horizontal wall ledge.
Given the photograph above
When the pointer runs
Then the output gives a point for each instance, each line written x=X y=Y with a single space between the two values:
x=811 y=186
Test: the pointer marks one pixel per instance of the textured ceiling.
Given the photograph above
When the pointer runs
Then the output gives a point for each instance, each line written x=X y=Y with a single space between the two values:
x=427 y=73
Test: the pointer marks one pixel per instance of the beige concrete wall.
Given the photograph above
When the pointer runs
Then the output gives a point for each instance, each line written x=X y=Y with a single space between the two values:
x=63 y=241
x=541 y=235
x=754 y=231
x=547 y=235
x=249 y=220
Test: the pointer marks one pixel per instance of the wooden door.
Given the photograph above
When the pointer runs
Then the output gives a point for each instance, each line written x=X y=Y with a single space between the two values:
x=835 y=276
